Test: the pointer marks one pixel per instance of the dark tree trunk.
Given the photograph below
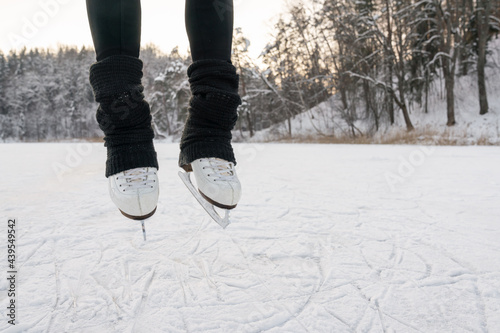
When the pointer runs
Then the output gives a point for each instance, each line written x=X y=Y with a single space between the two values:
x=290 y=126
x=447 y=24
x=389 y=55
x=366 y=93
x=250 y=124
x=406 y=114
x=389 y=100
x=482 y=30
x=343 y=96
x=427 y=84
x=449 y=83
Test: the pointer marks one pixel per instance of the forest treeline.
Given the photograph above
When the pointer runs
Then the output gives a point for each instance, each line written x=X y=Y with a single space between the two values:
x=377 y=56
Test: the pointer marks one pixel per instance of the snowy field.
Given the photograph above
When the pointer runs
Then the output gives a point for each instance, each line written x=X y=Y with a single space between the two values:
x=327 y=238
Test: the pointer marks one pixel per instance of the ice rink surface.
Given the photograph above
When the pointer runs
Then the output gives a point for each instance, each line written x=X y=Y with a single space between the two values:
x=327 y=238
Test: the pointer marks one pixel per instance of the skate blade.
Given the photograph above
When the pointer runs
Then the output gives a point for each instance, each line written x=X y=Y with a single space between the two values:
x=209 y=208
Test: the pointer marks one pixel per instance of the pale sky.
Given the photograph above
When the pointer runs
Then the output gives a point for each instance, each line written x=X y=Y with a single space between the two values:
x=47 y=23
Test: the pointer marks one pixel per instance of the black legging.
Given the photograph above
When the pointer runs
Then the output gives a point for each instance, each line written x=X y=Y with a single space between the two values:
x=116 y=27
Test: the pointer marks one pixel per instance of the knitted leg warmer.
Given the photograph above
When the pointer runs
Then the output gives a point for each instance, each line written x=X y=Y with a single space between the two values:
x=123 y=114
x=212 y=111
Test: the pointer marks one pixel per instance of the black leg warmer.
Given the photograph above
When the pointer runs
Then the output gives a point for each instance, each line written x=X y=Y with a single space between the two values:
x=123 y=114
x=212 y=111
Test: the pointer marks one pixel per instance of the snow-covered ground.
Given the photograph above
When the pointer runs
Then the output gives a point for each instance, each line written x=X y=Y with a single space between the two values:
x=327 y=238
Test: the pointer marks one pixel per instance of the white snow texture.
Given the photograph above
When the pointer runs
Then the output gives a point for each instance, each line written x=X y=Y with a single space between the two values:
x=326 y=238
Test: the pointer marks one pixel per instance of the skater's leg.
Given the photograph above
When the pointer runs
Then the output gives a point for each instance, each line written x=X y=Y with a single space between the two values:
x=123 y=114
x=209 y=25
x=213 y=80
x=115 y=27
x=206 y=141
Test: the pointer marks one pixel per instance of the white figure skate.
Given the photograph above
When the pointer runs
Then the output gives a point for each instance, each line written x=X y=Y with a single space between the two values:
x=135 y=192
x=218 y=186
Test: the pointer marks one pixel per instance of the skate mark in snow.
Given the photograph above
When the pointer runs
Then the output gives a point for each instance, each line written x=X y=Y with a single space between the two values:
x=104 y=284
x=127 y=289
x=482 y=308
x=141 y=304
x=180 y=277
x=54 y=314
x=283 y=214
x=275 y=300
x=211 y=283
x=331 y=313
x=75 y=292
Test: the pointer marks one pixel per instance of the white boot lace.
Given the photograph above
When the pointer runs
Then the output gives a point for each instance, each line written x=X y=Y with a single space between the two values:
x=223 y=170
x=137 y=179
